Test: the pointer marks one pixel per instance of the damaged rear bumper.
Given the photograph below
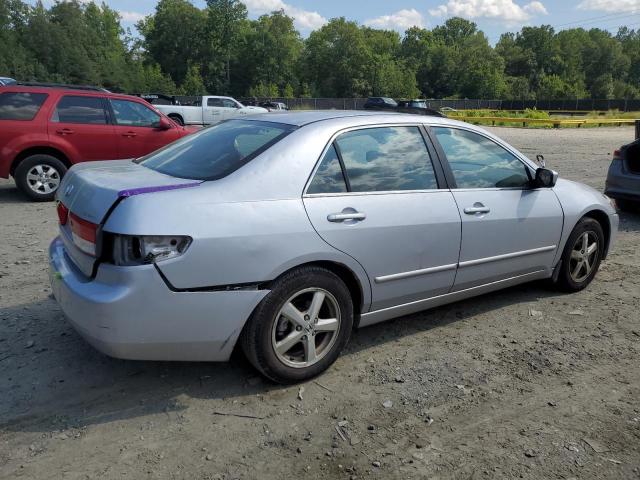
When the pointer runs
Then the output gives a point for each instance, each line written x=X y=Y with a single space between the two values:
x=130 y=313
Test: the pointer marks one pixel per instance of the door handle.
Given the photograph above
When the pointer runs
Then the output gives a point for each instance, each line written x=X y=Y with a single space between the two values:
x=341 y=217
x=476 y=209
x=130 y=134
x=64 y=131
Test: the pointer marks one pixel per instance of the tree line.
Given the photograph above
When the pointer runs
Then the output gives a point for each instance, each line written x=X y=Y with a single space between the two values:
x=183 y=49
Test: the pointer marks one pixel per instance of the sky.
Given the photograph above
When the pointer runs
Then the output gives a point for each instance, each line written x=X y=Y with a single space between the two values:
x=494 y=17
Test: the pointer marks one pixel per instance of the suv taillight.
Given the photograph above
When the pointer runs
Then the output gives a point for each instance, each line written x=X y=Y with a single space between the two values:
x=84 y=234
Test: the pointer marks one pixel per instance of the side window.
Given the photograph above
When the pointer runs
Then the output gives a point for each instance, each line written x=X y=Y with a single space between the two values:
x=77 y=109
x=229 y=103
x=386 y=159
x=328 y=177
x=133 y=114
x=214 y=102
x=477 y=162
x=20 y=106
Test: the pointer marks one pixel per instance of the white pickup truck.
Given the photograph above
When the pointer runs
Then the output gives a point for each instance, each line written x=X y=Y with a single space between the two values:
x=210 y=109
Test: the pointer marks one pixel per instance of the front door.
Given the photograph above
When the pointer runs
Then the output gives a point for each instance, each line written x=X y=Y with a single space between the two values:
x=508 y=228
x=136 y=128
x=375 y=197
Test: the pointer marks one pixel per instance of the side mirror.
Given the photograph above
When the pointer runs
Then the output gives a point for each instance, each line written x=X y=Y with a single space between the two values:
x=545 y=178
x=164 y=124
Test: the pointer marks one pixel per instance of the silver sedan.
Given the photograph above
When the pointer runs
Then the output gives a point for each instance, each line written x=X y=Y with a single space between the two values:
x=283 y=233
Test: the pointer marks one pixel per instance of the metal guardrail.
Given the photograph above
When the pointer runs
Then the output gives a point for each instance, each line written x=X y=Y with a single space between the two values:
x=555 y=122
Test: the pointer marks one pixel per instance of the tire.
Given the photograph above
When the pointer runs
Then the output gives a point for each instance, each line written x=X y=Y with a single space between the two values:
x=39 y=176
x=178 y=119
x=268 y=326
x=628 y=205
x=571 y=278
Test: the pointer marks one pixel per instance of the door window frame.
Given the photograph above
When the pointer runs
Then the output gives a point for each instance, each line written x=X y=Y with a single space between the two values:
x=447 y=168
x=105 y=105
x=114 y=120
x=438 y=170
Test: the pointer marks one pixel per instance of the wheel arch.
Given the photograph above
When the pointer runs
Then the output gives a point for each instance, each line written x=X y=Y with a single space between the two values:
x=54 y=152
x=347 y=275
x=176 y=116
x=603 y=219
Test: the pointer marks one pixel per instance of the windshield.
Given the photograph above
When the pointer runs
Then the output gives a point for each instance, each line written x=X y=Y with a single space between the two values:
x=217 y=151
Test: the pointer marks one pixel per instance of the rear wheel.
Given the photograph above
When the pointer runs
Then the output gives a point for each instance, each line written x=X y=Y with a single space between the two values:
x=582 y=255
x=177 y=118
x=39 y=176
x=300 y=327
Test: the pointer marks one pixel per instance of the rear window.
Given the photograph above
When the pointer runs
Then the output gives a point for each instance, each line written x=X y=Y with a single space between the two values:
x=20 y=106
x=217 y=151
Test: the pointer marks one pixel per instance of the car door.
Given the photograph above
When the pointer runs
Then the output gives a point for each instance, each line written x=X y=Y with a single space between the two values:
x=508 y=228
x=80 y=125
x=231 y=108
x=137 y=128
x=375 y=196
x=214 y=111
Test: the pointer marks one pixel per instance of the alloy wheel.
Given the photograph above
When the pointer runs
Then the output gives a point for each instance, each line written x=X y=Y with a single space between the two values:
x=306 y=328
x=43 y=179
x=584 y=256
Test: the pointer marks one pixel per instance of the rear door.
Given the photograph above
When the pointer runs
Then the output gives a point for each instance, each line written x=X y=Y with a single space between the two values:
x=375 y=196
x=81 y=124
x=508 y=228
x=136 y=129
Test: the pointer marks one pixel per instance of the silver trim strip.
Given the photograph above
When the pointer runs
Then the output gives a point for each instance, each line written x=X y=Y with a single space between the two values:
x=506 y=256
x=468 y=263
x=415 y=273
x=388 y=313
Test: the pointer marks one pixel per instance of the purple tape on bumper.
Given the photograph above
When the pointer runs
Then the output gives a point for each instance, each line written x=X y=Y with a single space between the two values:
x=139 y=191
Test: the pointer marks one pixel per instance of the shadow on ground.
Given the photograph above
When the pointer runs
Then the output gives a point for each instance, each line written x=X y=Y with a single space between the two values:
x=61 y=381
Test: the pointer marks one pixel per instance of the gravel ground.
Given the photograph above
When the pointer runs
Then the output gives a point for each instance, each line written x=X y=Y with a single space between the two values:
x=524 y=383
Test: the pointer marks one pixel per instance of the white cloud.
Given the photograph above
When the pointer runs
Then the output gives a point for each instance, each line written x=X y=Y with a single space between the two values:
x=132 y=17
x=303 y=19
x=615 y=6
x=506 y=10
x=400 y=20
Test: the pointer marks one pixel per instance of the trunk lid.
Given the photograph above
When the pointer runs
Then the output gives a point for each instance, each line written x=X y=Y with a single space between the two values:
x=90 y=190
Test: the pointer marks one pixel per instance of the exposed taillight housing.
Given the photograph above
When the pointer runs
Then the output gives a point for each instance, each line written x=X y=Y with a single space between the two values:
x=84 y=234
x=140 y=250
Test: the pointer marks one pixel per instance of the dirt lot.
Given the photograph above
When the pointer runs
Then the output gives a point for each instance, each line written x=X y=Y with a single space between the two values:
x=525 y=383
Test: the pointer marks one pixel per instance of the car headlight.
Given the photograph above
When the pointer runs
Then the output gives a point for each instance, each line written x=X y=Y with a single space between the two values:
x=141 y=250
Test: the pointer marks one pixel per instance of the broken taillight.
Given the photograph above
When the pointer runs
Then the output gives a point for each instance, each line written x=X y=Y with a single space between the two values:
x=63 y=213
x=84 y=234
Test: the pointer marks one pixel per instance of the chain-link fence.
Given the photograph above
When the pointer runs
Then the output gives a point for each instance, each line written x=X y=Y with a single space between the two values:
x=568 y=105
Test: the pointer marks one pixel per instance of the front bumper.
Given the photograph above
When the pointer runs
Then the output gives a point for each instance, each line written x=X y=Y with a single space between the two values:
x=130 y=313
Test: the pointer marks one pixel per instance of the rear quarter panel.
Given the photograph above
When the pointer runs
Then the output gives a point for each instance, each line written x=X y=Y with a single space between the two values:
x=16 y=136
x=243 y=242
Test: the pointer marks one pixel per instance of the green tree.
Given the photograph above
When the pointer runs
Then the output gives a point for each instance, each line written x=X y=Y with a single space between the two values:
x=225 y=20
x=174 y=37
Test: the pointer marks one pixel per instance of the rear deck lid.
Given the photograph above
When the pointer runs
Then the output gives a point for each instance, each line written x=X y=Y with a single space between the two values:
x=89 y=190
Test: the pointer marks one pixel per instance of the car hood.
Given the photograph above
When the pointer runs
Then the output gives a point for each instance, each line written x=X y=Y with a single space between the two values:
x=90 y=189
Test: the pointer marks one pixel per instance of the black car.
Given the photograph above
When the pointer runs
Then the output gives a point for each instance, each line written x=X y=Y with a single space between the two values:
x=623 y=179
x=380 y=103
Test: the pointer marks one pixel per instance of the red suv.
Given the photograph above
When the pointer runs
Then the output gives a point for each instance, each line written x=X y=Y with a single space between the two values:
x=45 y=129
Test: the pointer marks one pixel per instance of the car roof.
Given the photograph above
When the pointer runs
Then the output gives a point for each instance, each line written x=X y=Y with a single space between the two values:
x=354 y=117
x=68 y=90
